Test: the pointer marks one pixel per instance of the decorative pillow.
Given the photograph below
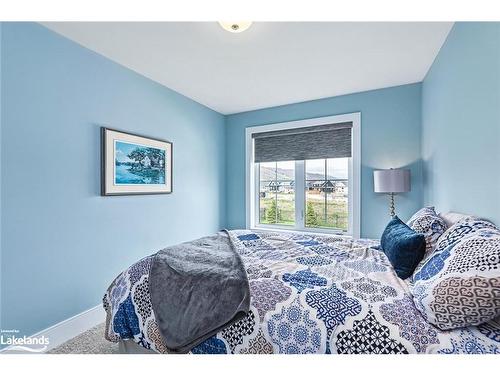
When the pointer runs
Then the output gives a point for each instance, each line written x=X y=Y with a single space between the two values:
x=459 y=286
x=403 y=246
x=451 y=217
x=461 y=228
x=430 y=224
x=456 y=232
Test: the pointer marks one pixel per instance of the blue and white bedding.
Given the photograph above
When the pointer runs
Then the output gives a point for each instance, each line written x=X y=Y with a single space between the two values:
x=309 y=294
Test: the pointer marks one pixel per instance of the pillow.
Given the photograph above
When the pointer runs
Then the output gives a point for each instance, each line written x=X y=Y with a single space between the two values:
x=452 y=217
x=460 y=285
x=457 y=231
x=403 y=246
x=430 y=224
x=422 y=212
x=467 y=225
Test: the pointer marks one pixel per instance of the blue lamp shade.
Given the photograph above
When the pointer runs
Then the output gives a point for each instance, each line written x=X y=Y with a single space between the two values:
x=391 y=180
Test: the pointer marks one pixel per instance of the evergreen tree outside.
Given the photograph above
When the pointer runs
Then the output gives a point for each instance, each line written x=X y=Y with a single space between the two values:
x=271 y=213
x=311 y=216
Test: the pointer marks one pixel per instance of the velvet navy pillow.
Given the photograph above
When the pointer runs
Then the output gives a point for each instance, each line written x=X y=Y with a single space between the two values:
x=403 y=246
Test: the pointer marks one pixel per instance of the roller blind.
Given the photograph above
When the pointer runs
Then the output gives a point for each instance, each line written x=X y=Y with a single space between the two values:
x=313 y=142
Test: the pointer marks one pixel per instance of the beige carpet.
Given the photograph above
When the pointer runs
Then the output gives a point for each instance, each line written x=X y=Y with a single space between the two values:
x=89 y=342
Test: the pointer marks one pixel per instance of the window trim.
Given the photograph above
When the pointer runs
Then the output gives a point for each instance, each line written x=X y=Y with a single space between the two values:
x=354 y=186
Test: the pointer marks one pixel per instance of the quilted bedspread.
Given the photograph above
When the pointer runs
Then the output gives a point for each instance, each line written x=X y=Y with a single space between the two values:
x=309 y=294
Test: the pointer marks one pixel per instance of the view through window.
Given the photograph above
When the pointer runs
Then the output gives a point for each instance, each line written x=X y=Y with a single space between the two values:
x=326 y=193
x=277 y=193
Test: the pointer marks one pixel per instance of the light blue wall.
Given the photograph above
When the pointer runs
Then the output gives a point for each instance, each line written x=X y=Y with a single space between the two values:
x=62 y=243
x=461 y=122
x=390 y=126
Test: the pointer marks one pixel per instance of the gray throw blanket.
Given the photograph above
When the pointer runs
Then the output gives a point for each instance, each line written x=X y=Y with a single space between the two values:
x=197 y=288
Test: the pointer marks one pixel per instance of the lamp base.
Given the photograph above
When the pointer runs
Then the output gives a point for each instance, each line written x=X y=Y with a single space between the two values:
x=391 y=205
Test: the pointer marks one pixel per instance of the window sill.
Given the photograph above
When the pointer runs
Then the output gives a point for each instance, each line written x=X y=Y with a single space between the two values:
x=317 y=231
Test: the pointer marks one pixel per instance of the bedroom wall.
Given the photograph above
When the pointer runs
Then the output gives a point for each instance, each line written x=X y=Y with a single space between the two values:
x=62 y=243
x=461 y=122
x=390 y=127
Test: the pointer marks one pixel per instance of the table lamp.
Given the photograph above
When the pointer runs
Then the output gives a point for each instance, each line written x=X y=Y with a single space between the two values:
x=391 y=181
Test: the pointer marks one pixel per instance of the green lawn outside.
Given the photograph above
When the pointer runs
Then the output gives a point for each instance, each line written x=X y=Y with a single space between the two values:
x=285 y=209
x=336 y=214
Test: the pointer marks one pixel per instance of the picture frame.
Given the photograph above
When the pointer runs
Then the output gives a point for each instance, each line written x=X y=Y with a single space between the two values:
x=132 y=164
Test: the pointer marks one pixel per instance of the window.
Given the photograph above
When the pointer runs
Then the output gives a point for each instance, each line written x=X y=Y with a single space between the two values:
x=277 y=193
x=327 y=193
x=304 y=175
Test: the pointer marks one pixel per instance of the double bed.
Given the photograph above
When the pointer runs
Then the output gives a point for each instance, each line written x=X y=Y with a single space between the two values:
x=308 y=294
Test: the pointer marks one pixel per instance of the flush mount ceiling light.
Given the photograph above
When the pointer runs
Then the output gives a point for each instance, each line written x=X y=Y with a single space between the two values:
x=235 y=27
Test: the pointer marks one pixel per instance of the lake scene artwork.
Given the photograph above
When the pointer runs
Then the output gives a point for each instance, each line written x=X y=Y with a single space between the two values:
x=139 y=165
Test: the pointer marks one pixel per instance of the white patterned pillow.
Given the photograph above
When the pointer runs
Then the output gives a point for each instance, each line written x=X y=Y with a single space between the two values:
x=427 y=222
x=459 y=286
x=461 y=228
x=455 y=233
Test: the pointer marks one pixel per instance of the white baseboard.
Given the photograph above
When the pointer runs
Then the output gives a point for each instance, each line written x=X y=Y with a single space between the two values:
x=67 y=329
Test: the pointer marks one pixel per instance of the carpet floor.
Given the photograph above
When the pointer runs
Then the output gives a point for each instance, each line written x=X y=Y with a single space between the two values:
x=89 y=342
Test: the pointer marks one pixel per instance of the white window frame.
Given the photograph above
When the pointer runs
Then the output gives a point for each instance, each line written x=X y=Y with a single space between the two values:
x=354 y=184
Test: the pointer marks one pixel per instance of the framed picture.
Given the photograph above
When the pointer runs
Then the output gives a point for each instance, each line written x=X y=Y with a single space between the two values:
x=133 y=164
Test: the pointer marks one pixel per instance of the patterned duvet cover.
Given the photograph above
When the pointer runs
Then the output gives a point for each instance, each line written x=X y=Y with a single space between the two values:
x=309 y=294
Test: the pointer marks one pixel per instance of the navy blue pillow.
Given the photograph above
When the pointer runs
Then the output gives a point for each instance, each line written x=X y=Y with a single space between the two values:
x=403 y=246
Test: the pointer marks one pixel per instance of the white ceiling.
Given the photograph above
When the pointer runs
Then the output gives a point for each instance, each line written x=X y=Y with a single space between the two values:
x=270 y=64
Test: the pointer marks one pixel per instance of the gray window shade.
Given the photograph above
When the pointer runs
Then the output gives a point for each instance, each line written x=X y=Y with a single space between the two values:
x=314 y=142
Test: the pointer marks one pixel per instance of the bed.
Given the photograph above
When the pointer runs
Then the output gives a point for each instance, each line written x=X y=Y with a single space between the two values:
x=309 y=294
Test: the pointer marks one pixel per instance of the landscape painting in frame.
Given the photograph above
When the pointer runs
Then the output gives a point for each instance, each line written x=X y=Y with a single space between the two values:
x=134 y=164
